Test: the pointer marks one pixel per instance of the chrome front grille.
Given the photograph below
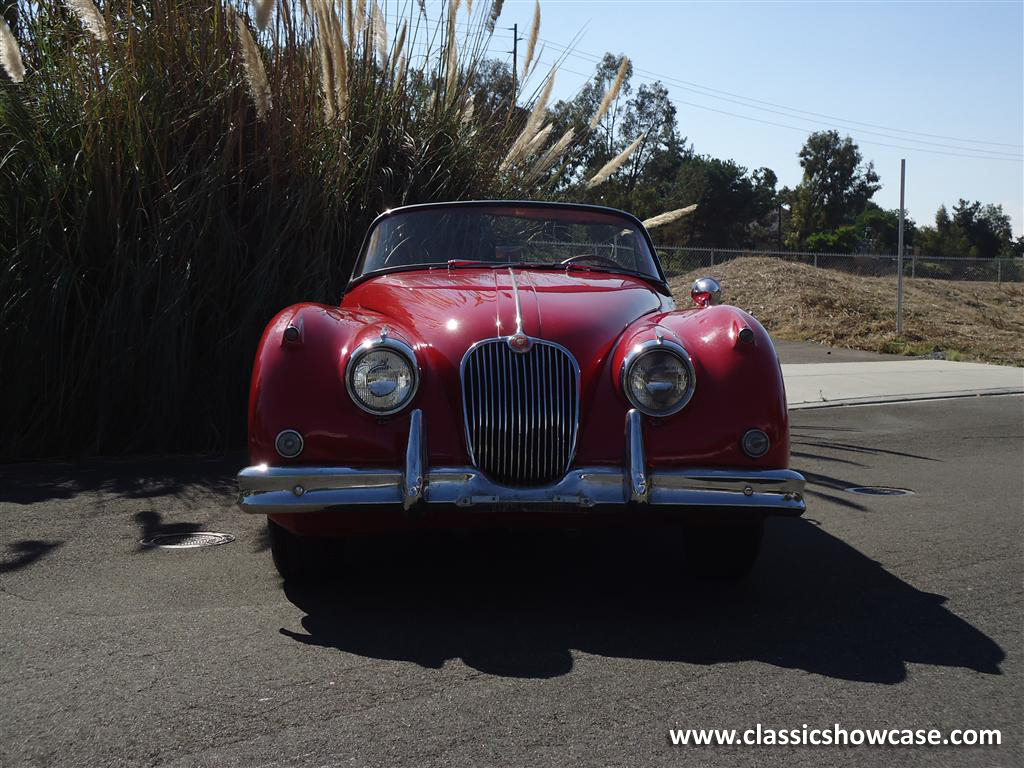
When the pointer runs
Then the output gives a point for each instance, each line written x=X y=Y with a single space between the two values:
x=521 y=410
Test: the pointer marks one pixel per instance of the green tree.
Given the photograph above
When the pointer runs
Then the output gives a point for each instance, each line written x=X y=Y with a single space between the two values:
x=731 y=202
x=593 y=146
x=651 y=117
x=844 y=239
x=878 y=230
x=491 y=90
x=986 y=228
x=973 y=231
x=644 y=182
x=835 y=189
x=604 y=139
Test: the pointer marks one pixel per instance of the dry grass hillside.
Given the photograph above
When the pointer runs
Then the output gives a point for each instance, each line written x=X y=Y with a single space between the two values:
x=962 y=320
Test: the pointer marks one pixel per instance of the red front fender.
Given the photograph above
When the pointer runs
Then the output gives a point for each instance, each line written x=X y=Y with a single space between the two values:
x=738 y=386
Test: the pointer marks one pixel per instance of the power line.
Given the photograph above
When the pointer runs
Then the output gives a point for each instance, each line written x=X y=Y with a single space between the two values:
x=963 y=152
x=741 y=100
x=804 y=130
x=685 y=86
x=869 y=142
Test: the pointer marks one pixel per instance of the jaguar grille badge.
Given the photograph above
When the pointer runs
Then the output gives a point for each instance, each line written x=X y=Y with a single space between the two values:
x=519 y=342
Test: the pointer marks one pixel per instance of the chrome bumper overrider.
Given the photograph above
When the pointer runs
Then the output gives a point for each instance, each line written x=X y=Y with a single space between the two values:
x=276 y=490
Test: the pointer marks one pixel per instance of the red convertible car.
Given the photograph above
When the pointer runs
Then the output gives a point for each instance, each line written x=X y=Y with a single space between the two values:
x=516 y=363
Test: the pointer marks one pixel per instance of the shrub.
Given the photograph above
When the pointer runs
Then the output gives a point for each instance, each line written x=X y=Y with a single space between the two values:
x=171 y=175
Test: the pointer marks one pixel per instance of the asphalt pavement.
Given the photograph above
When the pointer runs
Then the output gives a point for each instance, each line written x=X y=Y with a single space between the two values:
x=559 y=650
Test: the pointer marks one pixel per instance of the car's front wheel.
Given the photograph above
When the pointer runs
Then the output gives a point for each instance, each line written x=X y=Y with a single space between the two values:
x=303 y=560
x=722 y=551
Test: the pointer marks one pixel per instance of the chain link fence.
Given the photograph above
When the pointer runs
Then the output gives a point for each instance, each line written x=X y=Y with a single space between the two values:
x=678 y=260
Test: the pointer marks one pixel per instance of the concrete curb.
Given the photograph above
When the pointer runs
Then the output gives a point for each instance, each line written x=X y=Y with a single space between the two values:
x=908 y=398
x=828 y=385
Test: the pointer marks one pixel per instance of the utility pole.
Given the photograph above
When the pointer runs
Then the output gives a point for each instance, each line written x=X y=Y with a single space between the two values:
x=515 y=60
x=899 y=254
x=779 y=228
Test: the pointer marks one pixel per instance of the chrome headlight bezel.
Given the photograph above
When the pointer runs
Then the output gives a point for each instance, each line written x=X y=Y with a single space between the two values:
x=656 y=346
x=395 y=346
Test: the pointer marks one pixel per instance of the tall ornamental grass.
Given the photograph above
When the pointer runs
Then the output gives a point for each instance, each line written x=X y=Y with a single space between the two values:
x=174 y=172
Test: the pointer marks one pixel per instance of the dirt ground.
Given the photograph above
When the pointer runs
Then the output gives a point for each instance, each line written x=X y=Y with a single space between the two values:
x=957 y=320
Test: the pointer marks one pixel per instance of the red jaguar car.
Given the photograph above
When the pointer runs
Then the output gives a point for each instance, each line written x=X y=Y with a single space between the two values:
x=516 y=364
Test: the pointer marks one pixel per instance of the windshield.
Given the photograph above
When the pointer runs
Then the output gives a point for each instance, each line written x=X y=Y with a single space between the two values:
x=485 y=236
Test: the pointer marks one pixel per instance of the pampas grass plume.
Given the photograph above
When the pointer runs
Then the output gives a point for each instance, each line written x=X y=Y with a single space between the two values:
x=255 y=73
x=403 y=64
x=350 y=25
x=396 y=52
x=263 y=9
x=531 y=43
x=380 y=32
x=360 y=15
x=495 y=13
x=669 y=216
x=537 y=141
x=10 y=55
x=610 y=95
x=323 y=49
x=533 y=123
x=551 y=156
x=90 y=17
x=614 y=164
x=453 y=55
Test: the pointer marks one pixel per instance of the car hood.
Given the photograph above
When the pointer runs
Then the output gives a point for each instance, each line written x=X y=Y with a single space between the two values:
x=449 y=310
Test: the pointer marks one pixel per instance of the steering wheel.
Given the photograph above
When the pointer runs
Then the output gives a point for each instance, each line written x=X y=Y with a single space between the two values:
x=593 y=256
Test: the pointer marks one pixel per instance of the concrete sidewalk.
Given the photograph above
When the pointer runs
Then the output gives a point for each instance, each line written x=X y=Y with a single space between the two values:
x=821 y=385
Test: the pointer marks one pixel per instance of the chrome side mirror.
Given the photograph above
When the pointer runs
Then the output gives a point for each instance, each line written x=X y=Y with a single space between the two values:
x=706 y=292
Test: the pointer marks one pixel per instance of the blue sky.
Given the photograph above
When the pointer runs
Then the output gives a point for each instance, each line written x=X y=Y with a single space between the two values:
x=953 y=70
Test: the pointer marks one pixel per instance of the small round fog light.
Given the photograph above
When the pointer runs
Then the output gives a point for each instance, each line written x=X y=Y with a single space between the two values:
x=755 y=443
x=289 y=443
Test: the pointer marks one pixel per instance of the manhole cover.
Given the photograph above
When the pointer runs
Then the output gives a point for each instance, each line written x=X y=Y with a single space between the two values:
x=188 y=540
x=880 y=490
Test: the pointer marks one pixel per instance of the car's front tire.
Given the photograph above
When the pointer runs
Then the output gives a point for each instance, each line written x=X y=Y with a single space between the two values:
x=303 y=560
x=722 y=551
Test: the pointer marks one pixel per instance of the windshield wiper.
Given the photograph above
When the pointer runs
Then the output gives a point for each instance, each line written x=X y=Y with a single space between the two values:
x=455 y=263
x=546 y=265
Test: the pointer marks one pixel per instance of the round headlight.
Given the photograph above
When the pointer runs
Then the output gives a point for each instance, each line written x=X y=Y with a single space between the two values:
x=658 y=378
x=382 y=379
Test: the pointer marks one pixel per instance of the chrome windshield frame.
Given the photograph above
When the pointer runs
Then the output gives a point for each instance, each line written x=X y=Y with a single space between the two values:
x=660 y=280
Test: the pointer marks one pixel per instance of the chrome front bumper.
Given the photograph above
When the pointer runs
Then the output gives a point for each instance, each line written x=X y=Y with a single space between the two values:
x=278 y=490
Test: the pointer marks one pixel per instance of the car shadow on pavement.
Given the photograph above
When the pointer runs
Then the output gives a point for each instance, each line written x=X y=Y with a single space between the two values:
x=845 y=456
x=519 y=605
x=805 y=437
